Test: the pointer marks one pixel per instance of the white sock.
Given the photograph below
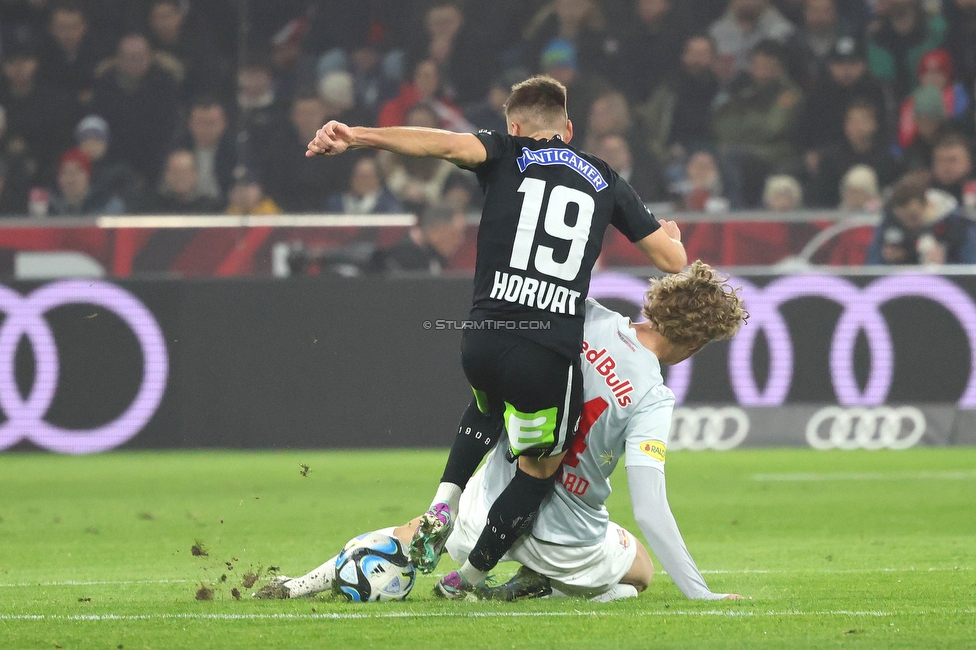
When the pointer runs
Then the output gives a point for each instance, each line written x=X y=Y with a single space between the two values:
x=616 y=593
x=450 y=494
x=320 y=579
x=472 y=575
x=314 y=582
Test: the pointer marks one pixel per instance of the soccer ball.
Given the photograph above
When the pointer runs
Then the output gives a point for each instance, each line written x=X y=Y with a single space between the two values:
x=372 y=567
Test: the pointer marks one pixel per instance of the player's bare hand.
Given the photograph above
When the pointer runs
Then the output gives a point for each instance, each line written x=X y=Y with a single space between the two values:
x=733 y=597
x=671 y=229
x=331 y=140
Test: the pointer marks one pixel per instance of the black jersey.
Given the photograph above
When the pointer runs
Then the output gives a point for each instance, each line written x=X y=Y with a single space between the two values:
x=547 y=207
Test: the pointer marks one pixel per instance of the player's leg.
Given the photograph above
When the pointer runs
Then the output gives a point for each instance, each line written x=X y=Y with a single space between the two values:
x=618 y=567
x=542 y=396
x=641 y=572
x=478 y=432
x=320 y=579
x=637 y=579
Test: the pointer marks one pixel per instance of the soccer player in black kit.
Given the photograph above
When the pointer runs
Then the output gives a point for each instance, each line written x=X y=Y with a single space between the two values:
x=547 y=206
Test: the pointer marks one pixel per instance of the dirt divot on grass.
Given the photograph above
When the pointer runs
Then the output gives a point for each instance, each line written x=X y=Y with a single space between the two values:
x=204 y=592
x=249 y=578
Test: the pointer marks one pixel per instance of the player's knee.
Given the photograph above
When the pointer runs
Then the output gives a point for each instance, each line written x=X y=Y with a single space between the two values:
x=641 y=571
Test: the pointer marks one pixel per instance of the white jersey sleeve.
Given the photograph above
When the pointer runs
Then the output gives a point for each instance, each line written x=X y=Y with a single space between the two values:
x=653 y=514
x=648 y=429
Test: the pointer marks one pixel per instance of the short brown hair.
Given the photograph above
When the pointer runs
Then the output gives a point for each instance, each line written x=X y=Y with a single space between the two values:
x=540 y=99
x=694 y=307
x=861 y=104
x=951 y=140
x=910 y=188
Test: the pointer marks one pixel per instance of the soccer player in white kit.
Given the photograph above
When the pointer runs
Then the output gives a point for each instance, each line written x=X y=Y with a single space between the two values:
x=573 y=548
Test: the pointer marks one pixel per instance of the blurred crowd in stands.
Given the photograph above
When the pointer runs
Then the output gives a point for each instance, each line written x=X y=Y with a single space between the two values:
x=205 y=106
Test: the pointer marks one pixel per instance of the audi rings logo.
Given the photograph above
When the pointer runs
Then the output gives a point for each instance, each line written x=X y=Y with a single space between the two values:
x=863 y=428
x=708 y=428
x=24 y=317
x=861 y=313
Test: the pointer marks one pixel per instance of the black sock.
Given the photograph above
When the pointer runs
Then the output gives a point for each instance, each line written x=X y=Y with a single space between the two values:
x=511 y=515
x=477 y=434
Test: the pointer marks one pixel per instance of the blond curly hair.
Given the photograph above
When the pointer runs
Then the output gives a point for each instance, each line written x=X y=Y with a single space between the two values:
x=694 y=307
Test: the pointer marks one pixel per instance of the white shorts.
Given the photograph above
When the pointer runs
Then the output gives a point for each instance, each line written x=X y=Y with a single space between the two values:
x=583 y=571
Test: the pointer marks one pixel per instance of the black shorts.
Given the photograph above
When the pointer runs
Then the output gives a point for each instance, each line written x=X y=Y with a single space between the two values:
x=537 y=392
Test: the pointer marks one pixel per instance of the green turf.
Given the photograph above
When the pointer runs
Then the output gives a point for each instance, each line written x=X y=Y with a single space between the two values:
x=869 y=550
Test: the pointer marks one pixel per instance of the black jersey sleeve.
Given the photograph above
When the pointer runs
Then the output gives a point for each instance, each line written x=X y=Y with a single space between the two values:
x=497 y=147
x=630 y=215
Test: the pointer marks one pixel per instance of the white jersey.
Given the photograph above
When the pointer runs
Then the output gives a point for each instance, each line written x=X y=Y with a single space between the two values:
x=626 y=411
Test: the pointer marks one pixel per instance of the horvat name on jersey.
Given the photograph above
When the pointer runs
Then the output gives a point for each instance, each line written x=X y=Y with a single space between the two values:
x=537 y=294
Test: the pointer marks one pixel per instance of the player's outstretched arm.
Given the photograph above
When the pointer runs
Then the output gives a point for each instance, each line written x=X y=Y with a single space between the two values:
x=462 y=149
x=664 y=249
x=653 y=514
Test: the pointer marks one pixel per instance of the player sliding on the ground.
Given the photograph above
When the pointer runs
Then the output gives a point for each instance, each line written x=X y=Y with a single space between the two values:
x=574 y=548
x=547 y=207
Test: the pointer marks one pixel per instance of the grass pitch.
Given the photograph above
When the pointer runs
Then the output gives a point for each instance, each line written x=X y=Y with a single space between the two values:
x=852 y=549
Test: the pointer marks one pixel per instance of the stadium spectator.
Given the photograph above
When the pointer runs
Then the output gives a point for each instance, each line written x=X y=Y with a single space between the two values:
x=74 y=196
x=580 y=23
x=559 y=61
x=608 y=115
x=40 y=114
x=489 y=113
x=859 y=190
x=178 y=189
x=213 y=147
x=700 y=188
x=952 y=168
x=171 y=32
x=247 y=197
x=425 y=88
x=296 y=183
x=931 y=120
x=819 y=31
x=140 y=101
x=8 y=206
x=462 y=192
x=782 y=194
x=69 y=53
x=366 y=193
x=614 y=150
x=374 y=74
x=259 y=112
x=934 y=70
x=416 y=182
x=862 y=145
x=902 y=35
x=961 y=39
x=20 y=169
x=292 y=72
x=337 y=91
x=108 y=178
x=429 y=246
x=746 y=24
x=652 y=50
x=679 y=111
x=754 y=121
x=845 y=79
x=922 y=226
x=457 y=48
